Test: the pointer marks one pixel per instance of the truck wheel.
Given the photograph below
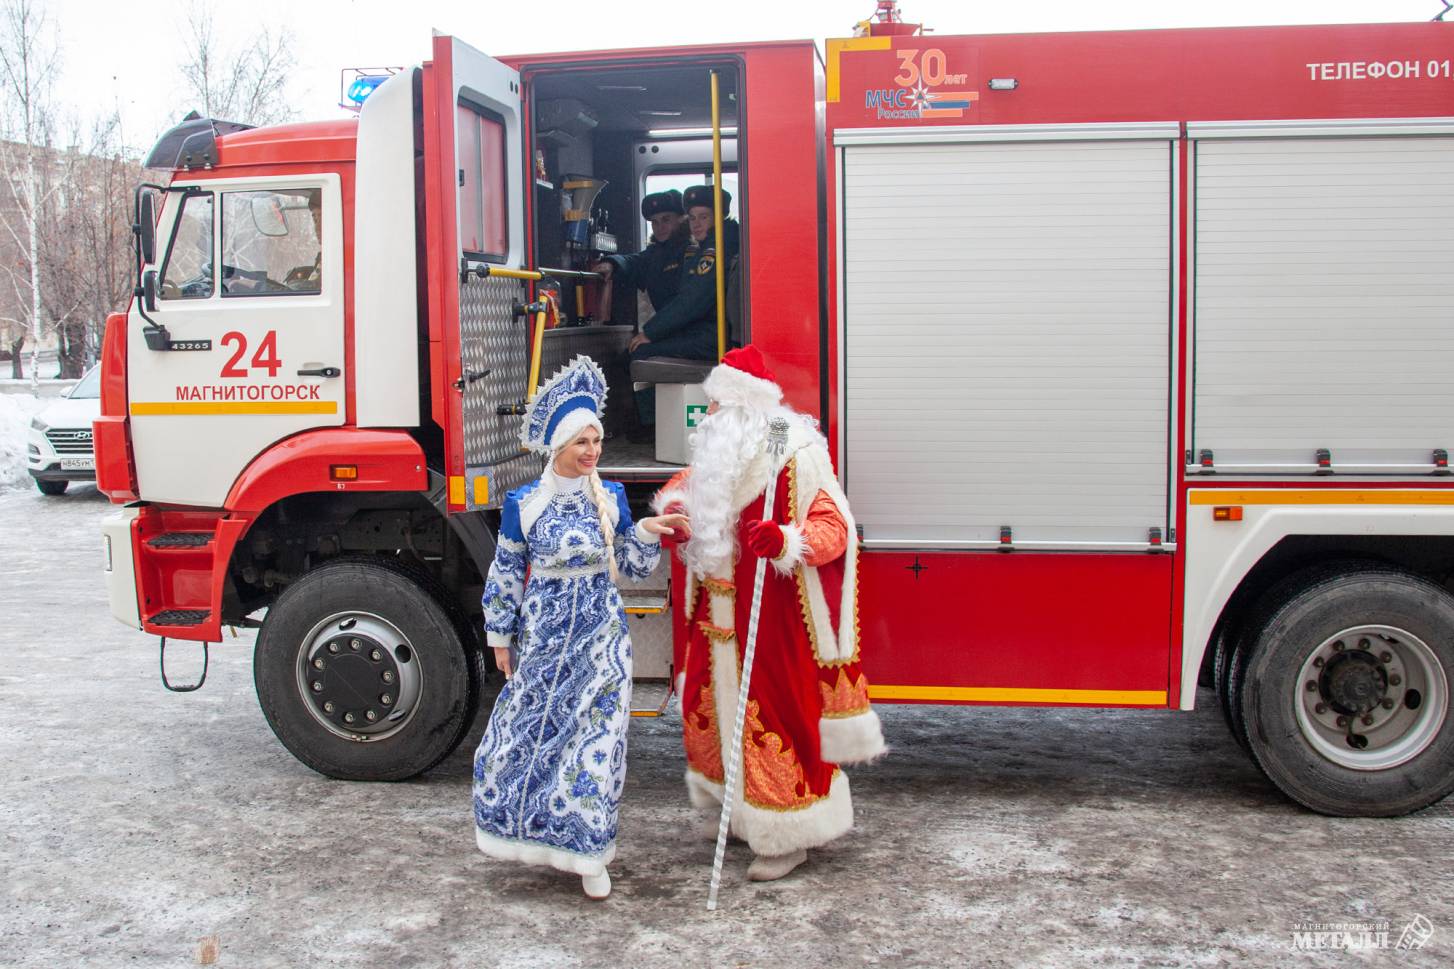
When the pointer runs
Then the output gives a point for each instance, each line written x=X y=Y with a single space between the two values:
x=363 y=674
x=1344 y=693
x=1222 y=649
x=52 y=487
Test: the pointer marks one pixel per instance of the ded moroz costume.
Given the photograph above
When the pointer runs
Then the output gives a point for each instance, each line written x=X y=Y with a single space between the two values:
x=549 y=771
x=808 y=710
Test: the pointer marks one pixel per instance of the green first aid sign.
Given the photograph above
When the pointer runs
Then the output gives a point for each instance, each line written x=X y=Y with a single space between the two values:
x=695 y=412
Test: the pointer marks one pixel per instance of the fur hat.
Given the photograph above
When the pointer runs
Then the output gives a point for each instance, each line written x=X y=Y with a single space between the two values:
x=700 y=196
x=743 y=379
x=659 y=202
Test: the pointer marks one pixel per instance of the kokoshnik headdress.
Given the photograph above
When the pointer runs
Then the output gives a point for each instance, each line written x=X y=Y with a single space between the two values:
x=575 y=398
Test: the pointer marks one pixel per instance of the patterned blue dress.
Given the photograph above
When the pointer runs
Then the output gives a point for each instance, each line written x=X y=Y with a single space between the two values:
x=549 y=772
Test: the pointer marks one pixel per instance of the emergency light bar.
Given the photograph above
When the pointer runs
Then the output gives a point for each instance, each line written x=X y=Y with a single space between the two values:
x=357 y=83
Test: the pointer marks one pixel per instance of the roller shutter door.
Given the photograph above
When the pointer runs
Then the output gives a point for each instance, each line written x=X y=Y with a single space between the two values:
x=1006 y=312
x=1324 y=302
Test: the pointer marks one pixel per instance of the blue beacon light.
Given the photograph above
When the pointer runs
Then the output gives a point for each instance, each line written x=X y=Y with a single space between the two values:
x=362 y=87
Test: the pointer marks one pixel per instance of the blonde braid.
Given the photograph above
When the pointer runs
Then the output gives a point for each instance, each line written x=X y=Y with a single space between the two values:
x=603 y=504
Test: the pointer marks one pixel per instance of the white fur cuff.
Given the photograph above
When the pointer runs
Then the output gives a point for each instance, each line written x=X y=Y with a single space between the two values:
x=508 y=849
x=795 y=546
x=498 y=640
x=770 y=831
x=642 y=535
x=663 y=500
x=851 y=740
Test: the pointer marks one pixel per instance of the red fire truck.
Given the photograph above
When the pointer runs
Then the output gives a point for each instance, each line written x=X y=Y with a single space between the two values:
x=1133 y=350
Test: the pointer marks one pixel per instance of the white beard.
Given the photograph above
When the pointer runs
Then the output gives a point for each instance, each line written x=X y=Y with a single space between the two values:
x=729 y=454
x=731 y=467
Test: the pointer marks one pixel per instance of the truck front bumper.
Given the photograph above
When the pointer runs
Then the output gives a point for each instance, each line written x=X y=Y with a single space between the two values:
x=120 y=562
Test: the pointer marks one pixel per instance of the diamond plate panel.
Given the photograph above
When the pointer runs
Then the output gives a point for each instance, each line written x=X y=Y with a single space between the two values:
x=492 y=338
x=651 y=635
x=650 y=646
x=606 y=345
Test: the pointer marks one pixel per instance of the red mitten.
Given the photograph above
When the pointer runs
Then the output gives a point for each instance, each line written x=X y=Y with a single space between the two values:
x=765 y=539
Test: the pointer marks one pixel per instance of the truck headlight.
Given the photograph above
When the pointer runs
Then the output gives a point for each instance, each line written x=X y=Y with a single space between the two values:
x=36 y=424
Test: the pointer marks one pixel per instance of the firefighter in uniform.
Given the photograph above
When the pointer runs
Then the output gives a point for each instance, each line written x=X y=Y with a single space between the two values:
x=686 y=327
x=657 y=268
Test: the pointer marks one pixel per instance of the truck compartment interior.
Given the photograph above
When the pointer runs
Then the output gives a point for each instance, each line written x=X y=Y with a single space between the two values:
x=601 y=139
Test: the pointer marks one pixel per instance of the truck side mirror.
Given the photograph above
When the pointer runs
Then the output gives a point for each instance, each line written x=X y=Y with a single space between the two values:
x=146 y=225
x=149 y=290
x=267 y=216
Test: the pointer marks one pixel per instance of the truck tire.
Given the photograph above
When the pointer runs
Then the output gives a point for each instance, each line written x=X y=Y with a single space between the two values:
x=1239 y=634
x=363 y=672
x=1343 y=691
x=1221 y=670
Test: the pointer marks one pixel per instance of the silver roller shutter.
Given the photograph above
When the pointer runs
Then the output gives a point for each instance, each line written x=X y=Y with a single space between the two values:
x=1324 y=302
x=1006 y=314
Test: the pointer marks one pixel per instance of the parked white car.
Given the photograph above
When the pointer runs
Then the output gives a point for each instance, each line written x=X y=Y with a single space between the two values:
x=59 y=448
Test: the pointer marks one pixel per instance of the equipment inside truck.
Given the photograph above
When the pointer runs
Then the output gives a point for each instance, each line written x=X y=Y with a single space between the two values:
x=600 y=140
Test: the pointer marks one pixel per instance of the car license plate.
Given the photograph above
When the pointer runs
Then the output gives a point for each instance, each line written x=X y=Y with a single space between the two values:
x=78 y=464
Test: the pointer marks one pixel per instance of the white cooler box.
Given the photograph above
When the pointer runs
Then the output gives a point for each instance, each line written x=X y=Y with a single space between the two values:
x=678 y=409
x=680 y=402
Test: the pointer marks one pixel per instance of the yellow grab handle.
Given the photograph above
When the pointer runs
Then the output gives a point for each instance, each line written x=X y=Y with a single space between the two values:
x=717 y=220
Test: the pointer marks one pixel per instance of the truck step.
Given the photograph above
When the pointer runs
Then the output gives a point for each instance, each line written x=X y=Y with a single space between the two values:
x=179 y=617
x=180 y=540
x=650 y=698
x=644 y=603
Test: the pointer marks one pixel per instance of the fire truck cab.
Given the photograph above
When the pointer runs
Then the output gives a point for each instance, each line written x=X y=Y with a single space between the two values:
x=1129 y=348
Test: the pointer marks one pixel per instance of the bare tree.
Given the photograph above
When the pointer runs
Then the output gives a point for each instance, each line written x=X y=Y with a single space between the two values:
x=28 y=65
x=248 y=84
x=84 y=251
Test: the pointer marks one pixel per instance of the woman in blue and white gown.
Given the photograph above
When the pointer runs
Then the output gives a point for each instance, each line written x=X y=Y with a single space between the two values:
x=550 y=769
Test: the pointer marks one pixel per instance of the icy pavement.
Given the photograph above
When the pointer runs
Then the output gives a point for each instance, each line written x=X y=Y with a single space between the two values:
x=136 y=822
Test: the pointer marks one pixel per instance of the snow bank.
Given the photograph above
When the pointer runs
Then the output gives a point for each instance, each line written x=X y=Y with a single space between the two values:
x=16 y=410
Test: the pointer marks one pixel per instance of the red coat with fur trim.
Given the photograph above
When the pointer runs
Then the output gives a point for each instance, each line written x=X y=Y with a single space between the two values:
x=808 y=707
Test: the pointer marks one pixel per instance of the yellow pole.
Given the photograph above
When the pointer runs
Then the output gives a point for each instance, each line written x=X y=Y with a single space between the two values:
x=535 y=351
x=717 y=220
x=512 y=273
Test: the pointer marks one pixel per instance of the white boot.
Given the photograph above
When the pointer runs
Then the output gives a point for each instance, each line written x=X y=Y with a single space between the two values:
x=767 y=868
x=597 y=887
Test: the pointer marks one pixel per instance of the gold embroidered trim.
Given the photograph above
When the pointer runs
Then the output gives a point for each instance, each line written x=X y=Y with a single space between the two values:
x=792 y=470
x=814 y=799
x=798 y=574
x=773 y=776
x=857 y=627
x=844 y=698
x=716 y=633
x=699 y=737
x=723 y=587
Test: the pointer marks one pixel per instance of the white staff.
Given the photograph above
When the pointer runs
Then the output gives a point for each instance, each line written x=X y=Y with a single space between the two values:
x=777 y=440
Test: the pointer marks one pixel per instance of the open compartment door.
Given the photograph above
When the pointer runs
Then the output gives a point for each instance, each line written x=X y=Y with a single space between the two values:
x=474 y=150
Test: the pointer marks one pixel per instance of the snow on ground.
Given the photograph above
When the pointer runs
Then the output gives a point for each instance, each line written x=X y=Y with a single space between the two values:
x=16 y=410
x=138 y=821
